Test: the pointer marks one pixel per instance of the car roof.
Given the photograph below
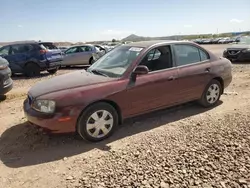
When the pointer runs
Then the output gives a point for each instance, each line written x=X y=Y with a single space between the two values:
x=26 y=42
x=146 y=44
x=82 y=45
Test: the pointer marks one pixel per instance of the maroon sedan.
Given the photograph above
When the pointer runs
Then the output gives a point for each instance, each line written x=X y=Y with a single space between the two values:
x=132 y=79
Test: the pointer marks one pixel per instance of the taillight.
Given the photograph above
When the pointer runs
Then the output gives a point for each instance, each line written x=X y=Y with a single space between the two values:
x=43 y=51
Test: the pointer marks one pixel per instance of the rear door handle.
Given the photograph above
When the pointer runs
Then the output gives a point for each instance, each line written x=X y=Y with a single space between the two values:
x=207 y=69
x=170 y=78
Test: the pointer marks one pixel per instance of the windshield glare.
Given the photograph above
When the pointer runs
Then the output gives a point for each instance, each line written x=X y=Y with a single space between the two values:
x=244 y=40
x=116 y=62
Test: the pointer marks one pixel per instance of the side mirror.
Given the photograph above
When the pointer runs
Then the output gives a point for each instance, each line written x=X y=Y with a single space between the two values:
x=141 y=69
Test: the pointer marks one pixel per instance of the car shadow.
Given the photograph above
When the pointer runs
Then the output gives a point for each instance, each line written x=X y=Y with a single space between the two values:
x=76 y=67
x=2 y=98
x=25 y=145
x=22 y=76
x=241 y=62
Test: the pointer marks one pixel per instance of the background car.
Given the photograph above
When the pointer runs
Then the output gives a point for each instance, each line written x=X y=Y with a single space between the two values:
x=240 y=51
x=130 y=80
x=63 y=48
x=6 y=82
x=101 y=48
x=31 y=58
x=81 y=55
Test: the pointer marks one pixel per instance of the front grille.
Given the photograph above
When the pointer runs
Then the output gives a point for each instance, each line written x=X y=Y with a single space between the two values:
x=233 y=52
x=29 y=99
x=7 y=82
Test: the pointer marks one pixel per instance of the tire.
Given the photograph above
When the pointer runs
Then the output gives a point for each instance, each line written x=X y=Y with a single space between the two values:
x=53 y=71
x=95 y=133
x=91 y=61
x=32 y=70
x=208 y=99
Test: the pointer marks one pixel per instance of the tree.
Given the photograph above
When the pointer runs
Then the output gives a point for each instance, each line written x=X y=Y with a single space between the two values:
x=113 y=40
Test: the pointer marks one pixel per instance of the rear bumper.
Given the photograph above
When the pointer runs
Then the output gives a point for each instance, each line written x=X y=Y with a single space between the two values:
x=47 y=65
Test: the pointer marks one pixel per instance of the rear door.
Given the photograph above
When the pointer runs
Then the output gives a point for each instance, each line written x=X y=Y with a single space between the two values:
x=53 y=54
x=86 y=54
x=71 y=56
x=194 y=70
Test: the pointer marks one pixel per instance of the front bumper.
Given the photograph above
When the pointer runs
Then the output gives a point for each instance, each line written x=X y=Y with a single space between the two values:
x=6 y=83
x=6 y=88
x=238 y=56
x=60 y=122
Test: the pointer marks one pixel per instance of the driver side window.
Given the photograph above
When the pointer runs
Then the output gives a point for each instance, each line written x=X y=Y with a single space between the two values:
x=159 y=58
x=72 y=50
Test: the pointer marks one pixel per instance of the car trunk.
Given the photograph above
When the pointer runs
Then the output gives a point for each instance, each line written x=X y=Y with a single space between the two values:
x=51 y=52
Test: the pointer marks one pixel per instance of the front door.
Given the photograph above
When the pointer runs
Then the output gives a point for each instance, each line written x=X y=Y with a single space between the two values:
x=156 y=89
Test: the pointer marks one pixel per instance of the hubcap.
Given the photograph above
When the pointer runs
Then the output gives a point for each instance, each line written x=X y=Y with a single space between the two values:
x=213 y=93
x=100 y=123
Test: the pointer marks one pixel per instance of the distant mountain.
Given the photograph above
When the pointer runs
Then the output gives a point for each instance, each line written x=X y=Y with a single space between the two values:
x=136 y=38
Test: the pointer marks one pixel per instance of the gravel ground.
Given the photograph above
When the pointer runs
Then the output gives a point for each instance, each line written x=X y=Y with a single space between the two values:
x=186 y=146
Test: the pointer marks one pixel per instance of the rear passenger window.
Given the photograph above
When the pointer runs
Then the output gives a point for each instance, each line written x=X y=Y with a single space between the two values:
x=17 y=49
x=188 y=54
x=204 y=55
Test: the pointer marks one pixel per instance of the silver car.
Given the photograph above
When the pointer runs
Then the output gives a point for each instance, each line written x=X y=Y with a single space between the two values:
x=81 y=55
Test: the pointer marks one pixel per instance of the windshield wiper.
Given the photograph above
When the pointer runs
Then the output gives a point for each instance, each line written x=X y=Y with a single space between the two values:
x=95 y=71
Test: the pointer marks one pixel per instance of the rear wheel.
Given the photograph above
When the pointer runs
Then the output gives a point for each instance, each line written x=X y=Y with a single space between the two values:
x=31 y=70
x=97 y=122
x=52 y=71
x=211 y=94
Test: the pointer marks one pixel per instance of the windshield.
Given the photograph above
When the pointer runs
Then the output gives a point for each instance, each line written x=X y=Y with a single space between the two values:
x=116 y=62
x=244 y=40
x=48 y=46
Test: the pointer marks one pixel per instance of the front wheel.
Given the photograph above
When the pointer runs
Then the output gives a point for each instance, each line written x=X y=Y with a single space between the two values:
x=211 y=94
x=97 y=122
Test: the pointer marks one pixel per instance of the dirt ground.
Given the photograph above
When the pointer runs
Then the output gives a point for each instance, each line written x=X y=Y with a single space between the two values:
x=186 y=146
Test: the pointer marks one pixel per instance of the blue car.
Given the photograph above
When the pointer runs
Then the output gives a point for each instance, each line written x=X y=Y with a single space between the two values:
x=30 y=58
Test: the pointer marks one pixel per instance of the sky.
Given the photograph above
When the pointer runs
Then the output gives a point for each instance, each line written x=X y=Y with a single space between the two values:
x=85 y=20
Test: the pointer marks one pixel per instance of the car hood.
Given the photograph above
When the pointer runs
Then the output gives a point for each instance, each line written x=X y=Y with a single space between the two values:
x=239 y=46
x=67 y=81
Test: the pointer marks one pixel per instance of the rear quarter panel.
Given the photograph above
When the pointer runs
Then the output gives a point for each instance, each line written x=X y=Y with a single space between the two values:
x=222 y=68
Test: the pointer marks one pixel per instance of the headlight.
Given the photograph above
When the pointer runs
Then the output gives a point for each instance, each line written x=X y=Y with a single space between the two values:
x=246 y=50
x=3 y=67
x=45 y=106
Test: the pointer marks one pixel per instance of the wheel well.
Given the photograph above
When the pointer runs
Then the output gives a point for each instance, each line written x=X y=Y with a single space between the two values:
x=90 y=60
x=113 y=104
x=219 y=79
x=30 y=62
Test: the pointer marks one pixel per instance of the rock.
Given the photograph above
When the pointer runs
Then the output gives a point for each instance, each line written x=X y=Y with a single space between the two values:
x=69 y=178
x=136 y=154
x=223 y=184
x=230 y=93
x=164 y=185
x=65 y=158
x=242 y=181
